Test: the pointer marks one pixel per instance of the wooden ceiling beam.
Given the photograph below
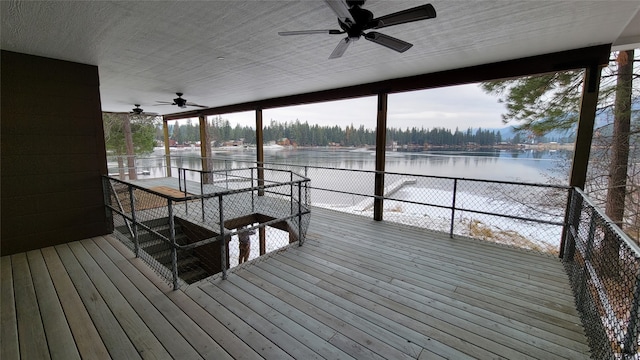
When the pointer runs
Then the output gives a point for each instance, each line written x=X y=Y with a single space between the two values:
x=588 y=57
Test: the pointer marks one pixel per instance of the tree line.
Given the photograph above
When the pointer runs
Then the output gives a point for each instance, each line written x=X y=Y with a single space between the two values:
x=303 y=134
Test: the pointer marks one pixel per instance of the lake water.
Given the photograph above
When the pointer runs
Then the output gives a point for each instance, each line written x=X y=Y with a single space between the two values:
x=519 y=166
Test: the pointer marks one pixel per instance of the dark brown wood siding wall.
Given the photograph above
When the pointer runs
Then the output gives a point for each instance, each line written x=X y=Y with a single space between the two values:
x=53 y=153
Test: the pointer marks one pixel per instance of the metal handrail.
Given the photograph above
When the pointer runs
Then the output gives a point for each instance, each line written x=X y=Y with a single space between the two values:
x=627 y=240
x=171 y=240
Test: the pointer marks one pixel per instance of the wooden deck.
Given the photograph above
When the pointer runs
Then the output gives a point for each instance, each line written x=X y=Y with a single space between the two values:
x=356 y=289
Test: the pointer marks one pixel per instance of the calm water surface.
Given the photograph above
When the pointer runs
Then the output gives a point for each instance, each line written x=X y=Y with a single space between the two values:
x=520 y=166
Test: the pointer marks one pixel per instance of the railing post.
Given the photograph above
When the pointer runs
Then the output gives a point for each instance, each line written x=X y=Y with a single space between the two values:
x=132 y=202
x=568 y=245
x=630 y=341
x=223 y=240
x=453 y=206
x=253 y=195
x=567 y=223
x=209 y=177
x=174 y=250
x=107 y=191
x=291 y=190
x=300 y=237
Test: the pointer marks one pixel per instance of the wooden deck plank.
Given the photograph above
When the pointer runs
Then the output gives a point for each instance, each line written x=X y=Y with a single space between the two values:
x=454 y=268
x=391 y=315
x=279 y=337
x=443 y=255
x=408 y=341
x=85 y=334
x=59 y=338
x=162 y=338
x=300 y=326
x=356 y=289
x=419 y=267
x=182 y=337
x=113 y=335
x=486 y=326
x=156 y=288
x=414 y=240
x=367 y=335
x=238 y=325
x=10 y=348
x=30 y=324
x=142 y=338
x=456 y=309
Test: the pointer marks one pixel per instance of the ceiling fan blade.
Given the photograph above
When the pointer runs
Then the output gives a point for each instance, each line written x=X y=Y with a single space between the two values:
x=164 y=103
x=341 y=48
x=421 y=12
x=192 y=104
x=341 y=9
x=308 y=32
x=388 y=41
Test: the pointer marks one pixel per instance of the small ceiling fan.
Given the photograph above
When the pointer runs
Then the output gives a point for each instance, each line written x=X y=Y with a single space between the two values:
x=181 y=102
x=138 y=111
x=354 y=20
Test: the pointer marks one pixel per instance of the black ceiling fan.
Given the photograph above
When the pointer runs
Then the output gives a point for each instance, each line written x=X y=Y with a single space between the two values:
x=354 y=20
x=138 y=111
x=181 y=102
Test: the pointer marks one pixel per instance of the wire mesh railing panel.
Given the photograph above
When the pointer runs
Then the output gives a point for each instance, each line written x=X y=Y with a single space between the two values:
x=523 y=215
x=603 y=265
x=345 y=190
x=418 y=201
x=186 y=235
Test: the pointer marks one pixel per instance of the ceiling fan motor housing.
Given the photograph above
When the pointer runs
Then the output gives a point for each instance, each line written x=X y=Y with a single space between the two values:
x=362 y=18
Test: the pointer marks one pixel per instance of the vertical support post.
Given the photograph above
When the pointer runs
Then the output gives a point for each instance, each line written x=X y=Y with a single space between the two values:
x=132 y=202
x=588 y=102
x=167 y=151
x=381 y=138
x=291 y=190
x=205 y=149
x=223 y=240
x=262 y=234
x=174 y=250
x=260 y=151
x=453 y=206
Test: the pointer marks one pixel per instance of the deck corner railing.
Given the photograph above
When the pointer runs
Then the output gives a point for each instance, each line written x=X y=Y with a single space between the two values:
x=183 y=232
x=603 y=265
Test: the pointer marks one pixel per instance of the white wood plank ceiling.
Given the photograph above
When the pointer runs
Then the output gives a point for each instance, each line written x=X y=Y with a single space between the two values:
x=228 y=52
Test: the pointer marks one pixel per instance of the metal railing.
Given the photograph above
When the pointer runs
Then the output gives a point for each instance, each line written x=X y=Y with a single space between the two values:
x=185 y=231
x=603 y=265
x=525 y=215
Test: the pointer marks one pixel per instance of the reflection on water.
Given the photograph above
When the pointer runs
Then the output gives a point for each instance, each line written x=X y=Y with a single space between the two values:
x=520 y=166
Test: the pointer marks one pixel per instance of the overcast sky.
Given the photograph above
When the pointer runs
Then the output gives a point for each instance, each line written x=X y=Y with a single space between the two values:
x=461 y=106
